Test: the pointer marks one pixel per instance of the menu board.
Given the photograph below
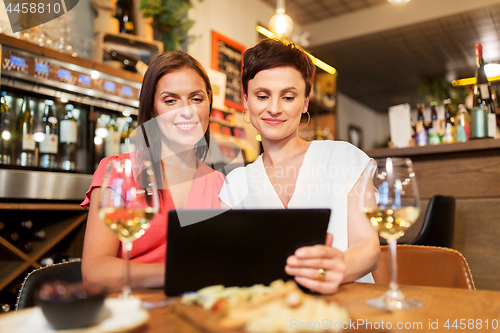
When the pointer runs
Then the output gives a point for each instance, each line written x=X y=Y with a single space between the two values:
x=227 y=57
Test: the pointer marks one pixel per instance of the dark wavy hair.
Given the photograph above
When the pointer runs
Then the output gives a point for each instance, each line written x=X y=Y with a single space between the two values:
x=166 y=63
x=277 y=52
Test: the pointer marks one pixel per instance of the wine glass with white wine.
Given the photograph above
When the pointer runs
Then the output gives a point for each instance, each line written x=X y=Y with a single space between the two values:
x=129 y=200
x=391 y=202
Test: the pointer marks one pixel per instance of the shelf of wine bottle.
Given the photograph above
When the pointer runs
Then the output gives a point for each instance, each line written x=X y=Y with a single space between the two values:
x=57 y=221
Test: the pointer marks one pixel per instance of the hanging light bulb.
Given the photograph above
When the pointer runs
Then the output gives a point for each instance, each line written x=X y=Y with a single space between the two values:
x=398 y=2
x=281 y=24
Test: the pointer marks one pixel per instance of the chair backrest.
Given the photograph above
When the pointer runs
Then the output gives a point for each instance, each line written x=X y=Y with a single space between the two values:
x=439 y=223
x=426 y=266
x=70 y=272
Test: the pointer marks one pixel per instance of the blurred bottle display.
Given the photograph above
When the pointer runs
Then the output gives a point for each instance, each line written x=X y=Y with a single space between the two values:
x=449 y=129
x=433 y=130
x=494 y=98
x=24 y=133
x=5 y=134
x=49 y=145
x=68 y=139
x=420 y=128
x=462 y=124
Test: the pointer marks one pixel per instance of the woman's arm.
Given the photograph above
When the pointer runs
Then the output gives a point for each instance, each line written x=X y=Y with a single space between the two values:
x=100 y=264
x=364 y=247
x=360 y=258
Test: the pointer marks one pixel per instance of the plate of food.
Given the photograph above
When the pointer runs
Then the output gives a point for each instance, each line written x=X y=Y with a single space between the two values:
x=278 y=307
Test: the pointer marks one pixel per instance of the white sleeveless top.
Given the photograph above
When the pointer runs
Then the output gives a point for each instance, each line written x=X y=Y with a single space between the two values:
x=329 y=171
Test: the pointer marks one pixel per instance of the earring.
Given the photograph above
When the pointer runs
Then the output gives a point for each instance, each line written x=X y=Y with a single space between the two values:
x=243 y=116
x=308 y=119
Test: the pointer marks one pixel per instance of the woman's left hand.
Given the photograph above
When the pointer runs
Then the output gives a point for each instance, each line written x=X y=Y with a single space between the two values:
x=319 y=268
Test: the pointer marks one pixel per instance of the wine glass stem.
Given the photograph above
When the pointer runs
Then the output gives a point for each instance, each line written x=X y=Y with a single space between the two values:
x=126 y=290
x=394 y=286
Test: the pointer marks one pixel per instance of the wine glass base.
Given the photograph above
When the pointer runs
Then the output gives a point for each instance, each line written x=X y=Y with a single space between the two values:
x=387 y=302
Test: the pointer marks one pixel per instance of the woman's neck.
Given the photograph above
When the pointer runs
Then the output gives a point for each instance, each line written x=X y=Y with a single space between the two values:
x=278 y=151
x=184 y=159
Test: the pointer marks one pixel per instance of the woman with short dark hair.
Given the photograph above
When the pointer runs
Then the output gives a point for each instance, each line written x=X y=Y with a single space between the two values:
x=293 y=173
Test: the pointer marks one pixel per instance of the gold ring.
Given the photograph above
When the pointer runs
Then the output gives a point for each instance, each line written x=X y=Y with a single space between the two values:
x=321 y=275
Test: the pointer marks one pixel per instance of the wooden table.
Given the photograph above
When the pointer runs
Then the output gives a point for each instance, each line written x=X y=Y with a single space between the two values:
x=478 y=310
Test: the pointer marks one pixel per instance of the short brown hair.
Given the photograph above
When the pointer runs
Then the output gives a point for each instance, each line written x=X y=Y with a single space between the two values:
x=166 y=63
x=277 y=52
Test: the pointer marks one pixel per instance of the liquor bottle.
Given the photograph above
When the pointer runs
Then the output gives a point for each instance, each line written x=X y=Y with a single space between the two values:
x=68 y=139
x=24 y=132
x=420 y=128
x=129 y=63
x=126 y=19
x=433 y=130
x=5 y=135
x=49 y=145
x=462 y=124
x=449 y=129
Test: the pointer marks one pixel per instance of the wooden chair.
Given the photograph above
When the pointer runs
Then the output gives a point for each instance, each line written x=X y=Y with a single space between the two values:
x=426 y=266
x=70 y=272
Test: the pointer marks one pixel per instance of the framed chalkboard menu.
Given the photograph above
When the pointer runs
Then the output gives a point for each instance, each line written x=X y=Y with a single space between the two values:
x=227 y=57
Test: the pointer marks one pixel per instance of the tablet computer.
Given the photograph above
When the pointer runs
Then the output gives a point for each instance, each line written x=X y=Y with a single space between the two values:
x=237 y=247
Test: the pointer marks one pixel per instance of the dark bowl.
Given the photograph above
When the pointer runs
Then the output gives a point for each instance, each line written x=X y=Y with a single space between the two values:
x=77 y=310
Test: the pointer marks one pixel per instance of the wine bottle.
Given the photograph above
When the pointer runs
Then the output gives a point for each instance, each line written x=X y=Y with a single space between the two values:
x=126 y=19
x=24 y=129
x=112 y=141
x=49 y=146
x=125 y=138
x=5 y=135
x=420 y=128
x=482 y=92
x=68 y=139
x=449 y=129
x=482 y=99
x=26 y=247
x=54 y=258
x=2 y=226
x=433 y=130
x=462 y=124
x=129 y=63
x=11 y=236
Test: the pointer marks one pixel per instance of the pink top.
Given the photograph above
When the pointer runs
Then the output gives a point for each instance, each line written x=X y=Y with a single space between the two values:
x=151 y=247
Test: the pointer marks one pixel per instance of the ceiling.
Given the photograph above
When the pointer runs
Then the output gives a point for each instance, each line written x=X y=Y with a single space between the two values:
x=386 y=68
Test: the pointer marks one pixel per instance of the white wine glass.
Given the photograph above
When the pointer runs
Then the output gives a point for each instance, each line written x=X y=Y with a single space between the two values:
x=129 y=200
x=391 y=202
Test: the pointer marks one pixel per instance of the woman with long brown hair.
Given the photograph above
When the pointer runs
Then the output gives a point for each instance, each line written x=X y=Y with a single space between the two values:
x=174 y=110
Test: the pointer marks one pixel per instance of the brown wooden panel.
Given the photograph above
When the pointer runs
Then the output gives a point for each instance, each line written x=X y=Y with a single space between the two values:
x=461 y=177
x=477 y=231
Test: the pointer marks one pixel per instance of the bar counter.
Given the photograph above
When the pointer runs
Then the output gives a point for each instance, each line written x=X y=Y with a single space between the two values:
x=469 y=171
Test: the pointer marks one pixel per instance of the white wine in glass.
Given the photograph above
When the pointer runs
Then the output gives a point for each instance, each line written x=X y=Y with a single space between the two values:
x=129 y=200
x=391 y=202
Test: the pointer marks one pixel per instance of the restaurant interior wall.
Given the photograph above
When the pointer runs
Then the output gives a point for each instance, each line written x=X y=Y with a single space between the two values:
x=375 y=125
x=234 y=19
